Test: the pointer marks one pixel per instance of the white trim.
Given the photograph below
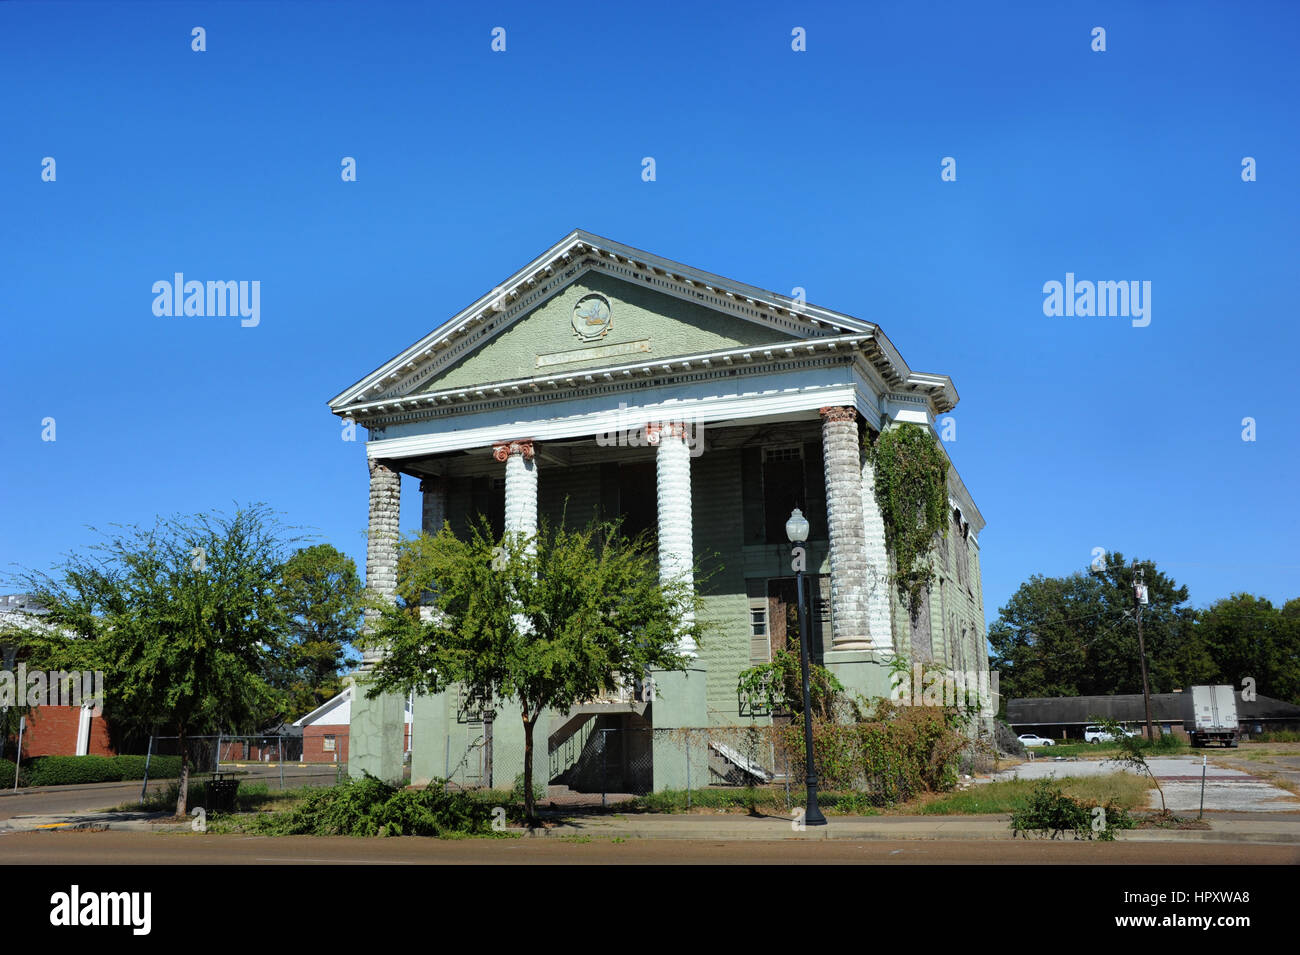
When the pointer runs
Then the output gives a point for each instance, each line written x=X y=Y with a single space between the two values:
x=330 y=704
x=644 y=369
x=549 y=422
x=83 y=729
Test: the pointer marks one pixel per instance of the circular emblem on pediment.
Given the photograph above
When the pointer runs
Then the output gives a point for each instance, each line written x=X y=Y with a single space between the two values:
x=592 y=317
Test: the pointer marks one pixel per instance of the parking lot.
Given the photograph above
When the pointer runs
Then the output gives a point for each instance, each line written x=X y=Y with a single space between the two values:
x=1232 y=781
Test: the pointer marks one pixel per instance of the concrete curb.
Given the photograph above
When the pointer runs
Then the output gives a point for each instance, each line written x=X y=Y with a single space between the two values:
x=733 y=829
x=940 y=829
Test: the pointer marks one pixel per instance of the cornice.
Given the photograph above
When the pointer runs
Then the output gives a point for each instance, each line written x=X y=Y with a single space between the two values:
x=614 y=379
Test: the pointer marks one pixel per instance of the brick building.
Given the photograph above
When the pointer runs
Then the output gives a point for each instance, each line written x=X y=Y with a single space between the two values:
x=51 y=730
x=325 y=730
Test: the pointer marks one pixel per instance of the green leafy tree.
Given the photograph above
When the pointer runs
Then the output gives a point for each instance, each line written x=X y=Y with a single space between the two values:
x=1132 y=753
x=181 y=617
x=912 y=492
x=1248 y=637
x=549 y=622
x=322 y=597
x=1077 y=635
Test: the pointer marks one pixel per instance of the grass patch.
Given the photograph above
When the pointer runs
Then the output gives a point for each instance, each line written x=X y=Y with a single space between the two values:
x=1164 y=746
x=1126 y=790
x=1281 y=736
x=759 y=800
x=720 y=799
x=252 y=797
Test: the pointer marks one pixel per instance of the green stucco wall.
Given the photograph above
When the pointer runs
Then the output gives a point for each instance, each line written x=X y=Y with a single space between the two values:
x=672 y=326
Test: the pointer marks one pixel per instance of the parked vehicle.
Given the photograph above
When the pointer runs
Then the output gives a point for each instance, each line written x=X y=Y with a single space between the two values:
x=1095 y=734
x=1212 y=716
x=1029 y=739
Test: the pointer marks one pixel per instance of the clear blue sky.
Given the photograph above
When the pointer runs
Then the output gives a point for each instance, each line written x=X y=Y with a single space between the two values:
x=818 y=169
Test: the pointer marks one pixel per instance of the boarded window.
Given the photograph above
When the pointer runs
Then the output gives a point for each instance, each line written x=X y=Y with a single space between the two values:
x=821 y=626
x=760 y=645
x=959 y=549
x=920 y=629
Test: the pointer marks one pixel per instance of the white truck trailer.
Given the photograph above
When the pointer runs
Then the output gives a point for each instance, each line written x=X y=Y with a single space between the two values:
x=1213 y=716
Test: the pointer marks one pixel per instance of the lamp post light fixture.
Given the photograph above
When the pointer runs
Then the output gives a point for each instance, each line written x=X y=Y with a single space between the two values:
x=796 y=529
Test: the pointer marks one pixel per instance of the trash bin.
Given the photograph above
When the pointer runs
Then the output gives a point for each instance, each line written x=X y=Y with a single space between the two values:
x=222 y=793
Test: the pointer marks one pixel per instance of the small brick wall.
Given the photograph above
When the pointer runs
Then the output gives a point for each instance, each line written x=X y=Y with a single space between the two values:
x=52 y=731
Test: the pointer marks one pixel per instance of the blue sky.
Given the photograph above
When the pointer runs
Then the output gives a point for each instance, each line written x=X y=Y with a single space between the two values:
x=818 y=169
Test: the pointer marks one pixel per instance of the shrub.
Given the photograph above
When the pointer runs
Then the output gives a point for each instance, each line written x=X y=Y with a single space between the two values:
x=893 y=754
x=371 y=807
x=517 y=791
x=7 y=774
x=1051 y=811
x=71 y=770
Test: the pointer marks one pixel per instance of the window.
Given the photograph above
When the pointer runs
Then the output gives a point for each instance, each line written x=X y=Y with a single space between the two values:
x=783 y=489
x=760 y=645
x=329 y=744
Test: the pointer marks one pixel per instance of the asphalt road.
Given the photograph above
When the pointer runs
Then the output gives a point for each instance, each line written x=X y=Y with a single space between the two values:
x=132 y=848
x=70 y=799
x=89 y=798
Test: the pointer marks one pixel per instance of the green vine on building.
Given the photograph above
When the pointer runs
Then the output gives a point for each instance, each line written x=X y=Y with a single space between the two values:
x=912 y=492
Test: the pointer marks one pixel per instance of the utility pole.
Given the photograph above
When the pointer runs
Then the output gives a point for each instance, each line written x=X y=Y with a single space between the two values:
x=1139 y=600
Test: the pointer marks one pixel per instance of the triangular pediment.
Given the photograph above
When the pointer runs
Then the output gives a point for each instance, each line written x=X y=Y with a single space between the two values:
x=589 y=303
x=599 y=319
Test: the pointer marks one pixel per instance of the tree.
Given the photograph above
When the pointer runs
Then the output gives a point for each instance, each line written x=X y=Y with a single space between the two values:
x=549 y=621
x=1248 y=637
x=181 y=617
x=322 y=597
x=1077 y=635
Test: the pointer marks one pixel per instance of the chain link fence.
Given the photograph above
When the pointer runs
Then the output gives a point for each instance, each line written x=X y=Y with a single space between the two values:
x=274 y=760
x=605 y=760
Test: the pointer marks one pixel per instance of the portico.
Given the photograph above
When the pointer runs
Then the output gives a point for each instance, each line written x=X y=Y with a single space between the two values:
x=600 y=380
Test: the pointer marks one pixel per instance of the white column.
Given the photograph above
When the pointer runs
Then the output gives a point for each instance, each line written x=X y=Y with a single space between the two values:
x=381 y=542
x=676 y=530
x=521 y=498
x=841 y=463
x=521 y=486
x=877 y=580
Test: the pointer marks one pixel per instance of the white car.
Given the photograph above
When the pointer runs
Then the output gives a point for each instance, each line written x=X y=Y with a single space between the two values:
x=1029 y=739
x=1095 y=734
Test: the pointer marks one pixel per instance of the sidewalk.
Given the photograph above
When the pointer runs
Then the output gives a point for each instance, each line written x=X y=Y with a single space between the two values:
x=729 y=828
x=723 y=827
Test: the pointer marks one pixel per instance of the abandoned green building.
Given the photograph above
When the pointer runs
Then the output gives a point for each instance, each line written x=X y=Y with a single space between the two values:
x=609 y=380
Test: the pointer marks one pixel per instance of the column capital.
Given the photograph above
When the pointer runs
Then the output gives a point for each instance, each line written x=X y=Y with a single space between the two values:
x=503 y=449
x=656 y=430
x=838 y=413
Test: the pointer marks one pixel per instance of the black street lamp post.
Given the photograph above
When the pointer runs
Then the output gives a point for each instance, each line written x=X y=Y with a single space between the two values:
x=796 y=529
